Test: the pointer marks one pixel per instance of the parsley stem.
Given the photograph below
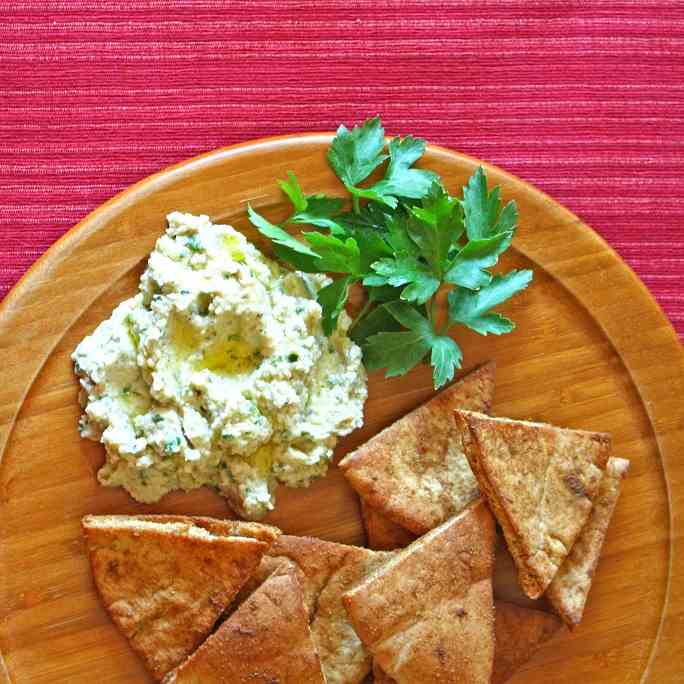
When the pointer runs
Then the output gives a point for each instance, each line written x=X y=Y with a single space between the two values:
x=355 y=204
x=361 y=314
x=429 y=309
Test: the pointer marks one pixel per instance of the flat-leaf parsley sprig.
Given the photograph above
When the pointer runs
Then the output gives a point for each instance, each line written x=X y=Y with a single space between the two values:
x=405 y=240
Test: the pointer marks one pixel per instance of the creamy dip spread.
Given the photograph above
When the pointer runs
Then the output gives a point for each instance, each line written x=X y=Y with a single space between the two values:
x=218 y=373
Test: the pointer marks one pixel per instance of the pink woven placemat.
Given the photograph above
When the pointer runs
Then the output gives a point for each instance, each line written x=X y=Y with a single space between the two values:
x=583 y=98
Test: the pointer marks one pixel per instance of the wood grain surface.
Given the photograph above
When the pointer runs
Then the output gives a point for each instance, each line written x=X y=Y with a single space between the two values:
x=592 y=350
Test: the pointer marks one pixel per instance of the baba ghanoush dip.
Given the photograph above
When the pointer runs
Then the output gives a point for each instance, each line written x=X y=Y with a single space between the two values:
x=218 y=373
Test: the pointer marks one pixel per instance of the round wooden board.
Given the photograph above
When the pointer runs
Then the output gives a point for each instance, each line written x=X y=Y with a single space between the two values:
x=592 y=350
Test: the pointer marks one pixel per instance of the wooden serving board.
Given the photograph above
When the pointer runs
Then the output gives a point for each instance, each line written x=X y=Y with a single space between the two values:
x=592 y=350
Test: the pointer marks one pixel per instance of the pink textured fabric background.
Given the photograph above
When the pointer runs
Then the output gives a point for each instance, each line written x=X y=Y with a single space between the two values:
x=583 y=98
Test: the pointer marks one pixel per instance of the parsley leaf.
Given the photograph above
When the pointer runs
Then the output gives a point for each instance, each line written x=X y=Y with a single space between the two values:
x=320 y=211
x=276 y=234
x=332 y=299
x=400 y=179
x=355 y=154
x=472 y=308
x=468 y=267
x=315 y=210
x=405 y=270
x=409 y=317
x=446 y=357
x=334 y=254
x=378 y=320
x=293 y=190
x=483 y=215
x=383 y=293
x=435 y=227
x=399 y=352
x=374 y=196
x=302 y=262
x=371 y=216
x=371 y=247
x=398 y=236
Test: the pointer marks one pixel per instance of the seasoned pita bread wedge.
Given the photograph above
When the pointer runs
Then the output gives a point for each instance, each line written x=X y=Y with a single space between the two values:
x=414 y=471
x=381 y=533
x=570 y=587
x=520 y=632
x=326 y=571
x=165 y=584
x=427 y=614
x=540 y=481
x=266 y=640
x=221 y=527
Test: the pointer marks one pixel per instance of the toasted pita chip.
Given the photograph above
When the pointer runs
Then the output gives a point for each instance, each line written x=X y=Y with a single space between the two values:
x=381 y=533
x=220 y=527
x=165 y=584
x=326 y=570
x=414 y=472
x=540 y=481
x=520 y=632
x=427 y=614
x=266 y=640
x=570 y=587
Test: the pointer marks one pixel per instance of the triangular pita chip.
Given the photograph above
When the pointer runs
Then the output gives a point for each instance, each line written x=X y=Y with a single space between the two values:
x=381 y=533
x=266 y=640
x=520 y=632
x=326 y=571
x=165 y=584
x=570 y=587
x=427 y=615
x=414 y=471
x=540 y=482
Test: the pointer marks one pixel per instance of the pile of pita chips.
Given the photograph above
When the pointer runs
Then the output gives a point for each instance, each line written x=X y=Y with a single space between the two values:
x=552 y=490
x=326 y=570
x=166 y=580
x=414 y=473
x=427 y=614
x=267 y=639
